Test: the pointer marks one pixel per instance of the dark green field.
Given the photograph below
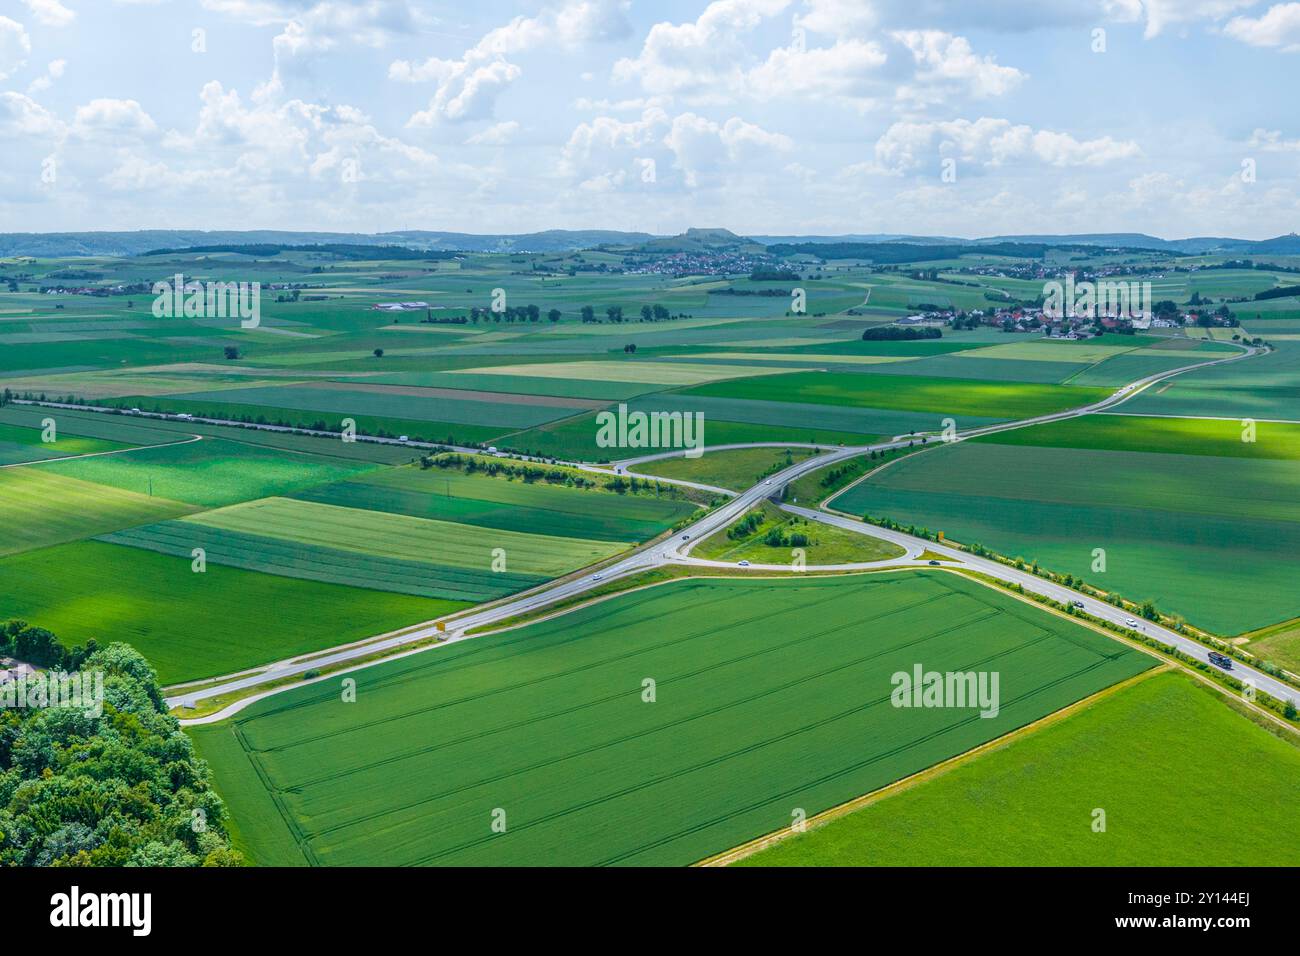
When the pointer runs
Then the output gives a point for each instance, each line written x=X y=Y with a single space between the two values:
x=194 y=625
x=769 y=696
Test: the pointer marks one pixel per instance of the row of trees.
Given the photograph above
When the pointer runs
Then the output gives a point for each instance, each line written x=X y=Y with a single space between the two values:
x=614 y=313
x=511 y=313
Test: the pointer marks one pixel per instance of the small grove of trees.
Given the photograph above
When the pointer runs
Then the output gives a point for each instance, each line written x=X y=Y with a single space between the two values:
x=37 y=646
x=897 y=333
x=121 y=787
x=231 y=352
x=614 y=313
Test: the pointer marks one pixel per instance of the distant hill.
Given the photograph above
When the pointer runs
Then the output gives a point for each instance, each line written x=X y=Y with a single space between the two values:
x=701 y=240
x=860 y=237
x=58 y=244
x=63 y=244
x=1281 y=245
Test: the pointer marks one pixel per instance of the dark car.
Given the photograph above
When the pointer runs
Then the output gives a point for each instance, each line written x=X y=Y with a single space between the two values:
x=934 y=564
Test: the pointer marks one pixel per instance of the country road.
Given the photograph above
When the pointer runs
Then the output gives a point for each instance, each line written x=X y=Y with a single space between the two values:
x=677 y=551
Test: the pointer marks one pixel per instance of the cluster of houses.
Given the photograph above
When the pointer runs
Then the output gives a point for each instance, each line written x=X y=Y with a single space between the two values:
x=11 y=669
x=1032 y=319
x=679 y=264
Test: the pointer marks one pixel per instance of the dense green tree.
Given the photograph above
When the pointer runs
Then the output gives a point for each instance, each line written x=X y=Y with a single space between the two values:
x=116 y=784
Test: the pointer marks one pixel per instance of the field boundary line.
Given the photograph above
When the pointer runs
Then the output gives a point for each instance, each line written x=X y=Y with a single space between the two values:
x=99 y=454
x=727 y=857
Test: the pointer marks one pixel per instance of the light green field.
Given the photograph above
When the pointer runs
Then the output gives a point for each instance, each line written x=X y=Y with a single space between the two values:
x=769 y=696
x=194 y=625
x=412 y=539
x=1042 y=350
x=1278 y=644
x=653 y=373
x=575 y=439
x=38 y=508
x=1181 y=778
x=537 y=507
x=1213 y=538
x=19 y=445
x=827 y=544
x=733 y=468
x=211 y=472
x=1176 y=436
x=908 y=393
x=799 y=357
x=310 y=562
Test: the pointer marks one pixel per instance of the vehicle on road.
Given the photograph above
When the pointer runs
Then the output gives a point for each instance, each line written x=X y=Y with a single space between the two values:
x=1220 y=660
x=744 y=564
x=597 y=577
x=403 y=439
x=1129 y=622
x=1078 y=604
x=934 y=564
x=685 y=537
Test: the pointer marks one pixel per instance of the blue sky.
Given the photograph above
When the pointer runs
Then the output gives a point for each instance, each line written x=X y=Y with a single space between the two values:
x=1173 y=117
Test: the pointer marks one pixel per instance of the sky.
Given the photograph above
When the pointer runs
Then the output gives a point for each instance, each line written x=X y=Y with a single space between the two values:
x=938 y=117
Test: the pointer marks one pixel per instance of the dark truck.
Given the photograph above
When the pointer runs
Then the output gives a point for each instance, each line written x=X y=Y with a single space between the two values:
x=1219 y=660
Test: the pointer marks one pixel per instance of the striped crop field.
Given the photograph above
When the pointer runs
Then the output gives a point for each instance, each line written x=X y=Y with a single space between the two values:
x=769 y=697
x=210 y=472
x=401 y=536
x=308 y=562
x=535 y=508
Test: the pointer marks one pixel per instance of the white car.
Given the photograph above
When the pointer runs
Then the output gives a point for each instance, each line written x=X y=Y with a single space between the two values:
x=744 y=564
x=768 y=482
x=1129 y=622
x=597 y=577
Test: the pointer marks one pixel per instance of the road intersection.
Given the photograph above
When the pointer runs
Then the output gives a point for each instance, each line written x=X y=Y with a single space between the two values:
x=676 y=551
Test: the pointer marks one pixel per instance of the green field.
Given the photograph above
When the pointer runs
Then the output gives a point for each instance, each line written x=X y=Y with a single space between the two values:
x=449 y=494
x=19 y=445
x=908 y=393
x=1181 y=778
x=1195 y=534
x=826 y=544
x=38 y=509
x=194 y=625
x=769 y=696
x=387 y=535
x=1174 y=436
x=575 y=439
x=733 y=468
x=211 y=472
x=1263 y=387
x=332 y=565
